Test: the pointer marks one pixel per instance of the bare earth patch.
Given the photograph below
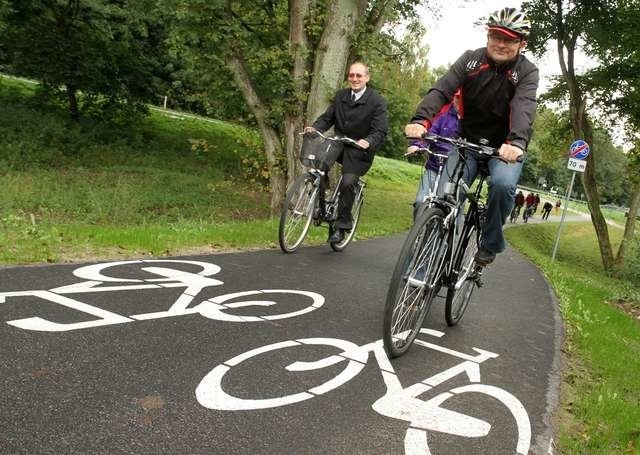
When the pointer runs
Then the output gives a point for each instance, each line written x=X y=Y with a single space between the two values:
x=629 y=307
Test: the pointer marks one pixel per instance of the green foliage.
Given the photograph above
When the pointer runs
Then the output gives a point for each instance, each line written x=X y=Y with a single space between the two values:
x=631 y=267
x=207 y=34
x=162 y=186
x=548 y=154
x=608 y=32
x=100 y=49
x=403 y=81
x=35 y=138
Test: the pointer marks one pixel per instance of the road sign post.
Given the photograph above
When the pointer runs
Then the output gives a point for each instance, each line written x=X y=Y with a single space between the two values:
x=578 y=153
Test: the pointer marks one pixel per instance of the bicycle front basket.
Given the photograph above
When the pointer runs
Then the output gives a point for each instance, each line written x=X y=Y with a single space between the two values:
x=319 y=153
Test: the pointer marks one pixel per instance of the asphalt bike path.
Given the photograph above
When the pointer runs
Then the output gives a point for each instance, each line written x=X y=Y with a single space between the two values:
x=261 y=352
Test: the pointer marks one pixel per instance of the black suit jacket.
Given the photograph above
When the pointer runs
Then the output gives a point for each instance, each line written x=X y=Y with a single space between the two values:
x=365 y=119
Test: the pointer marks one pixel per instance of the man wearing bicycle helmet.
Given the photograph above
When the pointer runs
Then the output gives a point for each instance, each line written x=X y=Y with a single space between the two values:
x=498 y=86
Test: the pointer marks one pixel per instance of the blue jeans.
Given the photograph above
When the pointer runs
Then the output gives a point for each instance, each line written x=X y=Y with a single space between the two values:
x=502 y=190
x=427 y=182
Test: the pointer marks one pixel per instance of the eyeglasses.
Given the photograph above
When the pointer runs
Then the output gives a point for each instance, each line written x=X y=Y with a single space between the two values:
x=356 y=76
x=503 y=39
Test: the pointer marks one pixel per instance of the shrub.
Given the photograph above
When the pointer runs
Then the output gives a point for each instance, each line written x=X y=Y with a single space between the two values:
x=631 y=266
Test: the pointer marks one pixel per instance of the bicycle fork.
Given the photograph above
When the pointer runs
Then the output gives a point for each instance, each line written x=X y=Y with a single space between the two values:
x=430 y=260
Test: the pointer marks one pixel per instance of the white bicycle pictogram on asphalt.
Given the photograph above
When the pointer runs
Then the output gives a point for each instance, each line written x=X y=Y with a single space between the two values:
x=398 y=402
x=218 y=308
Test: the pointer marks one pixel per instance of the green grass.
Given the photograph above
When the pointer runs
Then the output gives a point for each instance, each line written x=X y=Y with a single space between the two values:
x=117 y=218
x=601 y=402
x=161 y=185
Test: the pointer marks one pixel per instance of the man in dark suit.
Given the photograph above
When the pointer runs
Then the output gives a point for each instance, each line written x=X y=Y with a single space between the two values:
x=358 y=112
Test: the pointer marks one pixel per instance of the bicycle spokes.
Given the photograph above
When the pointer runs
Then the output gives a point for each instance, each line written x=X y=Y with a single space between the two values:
x=297 y=213
x=425 y=271
x=406 y=313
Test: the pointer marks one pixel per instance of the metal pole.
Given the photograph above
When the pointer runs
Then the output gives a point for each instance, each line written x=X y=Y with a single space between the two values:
x=564 y=212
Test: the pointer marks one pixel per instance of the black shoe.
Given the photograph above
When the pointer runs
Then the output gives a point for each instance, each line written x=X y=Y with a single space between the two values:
x=337 y=236
x=484 y=256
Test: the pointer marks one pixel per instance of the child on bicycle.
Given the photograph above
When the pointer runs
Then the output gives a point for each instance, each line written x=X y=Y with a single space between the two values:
x=446 y=124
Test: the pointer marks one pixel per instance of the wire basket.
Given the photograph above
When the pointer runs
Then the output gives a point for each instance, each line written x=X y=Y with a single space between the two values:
x=319 y=153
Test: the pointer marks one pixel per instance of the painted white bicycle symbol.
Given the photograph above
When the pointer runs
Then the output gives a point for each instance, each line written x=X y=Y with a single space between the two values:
x=219 y=308
x=398 y=402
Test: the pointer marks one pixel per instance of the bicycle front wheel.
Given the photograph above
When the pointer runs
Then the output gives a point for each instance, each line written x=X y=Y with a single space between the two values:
x=415 y=281
x=463 y=276
x=297 y=213
x=355 y=216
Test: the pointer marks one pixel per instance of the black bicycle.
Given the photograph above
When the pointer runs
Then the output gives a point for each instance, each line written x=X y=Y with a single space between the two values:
x=515 y=212
x=438 y=252
x=528 y=213
x=305 y=201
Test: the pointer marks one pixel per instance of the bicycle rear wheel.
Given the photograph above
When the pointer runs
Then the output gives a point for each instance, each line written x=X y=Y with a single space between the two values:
x=415 y=281
x=355 y=216
x=464 y=272
x=514 y=215
x=297 y=212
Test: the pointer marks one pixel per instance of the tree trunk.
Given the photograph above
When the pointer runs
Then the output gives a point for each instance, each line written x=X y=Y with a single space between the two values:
x=332 y=54
x=629 y=226
x=299 y=49
x=593 y=199
x=582 y=130
x=72 y=96
x=272 y=146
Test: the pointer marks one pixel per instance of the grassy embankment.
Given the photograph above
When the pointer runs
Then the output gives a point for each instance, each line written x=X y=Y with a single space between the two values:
x=600 y=411
x=162 y=186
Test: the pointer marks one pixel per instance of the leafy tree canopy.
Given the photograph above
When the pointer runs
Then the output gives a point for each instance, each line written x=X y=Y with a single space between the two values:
x=103 y=49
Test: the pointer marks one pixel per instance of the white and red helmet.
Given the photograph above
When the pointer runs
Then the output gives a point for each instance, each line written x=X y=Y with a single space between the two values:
x=510 y=22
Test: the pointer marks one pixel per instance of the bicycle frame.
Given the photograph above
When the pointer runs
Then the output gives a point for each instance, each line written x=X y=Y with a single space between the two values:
x=439 y=251
x=452 y=203
x=305 y=201
x=328 y=207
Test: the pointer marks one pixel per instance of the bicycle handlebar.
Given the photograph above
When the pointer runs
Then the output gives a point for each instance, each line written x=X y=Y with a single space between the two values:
x=342 y=139
x=461 y=143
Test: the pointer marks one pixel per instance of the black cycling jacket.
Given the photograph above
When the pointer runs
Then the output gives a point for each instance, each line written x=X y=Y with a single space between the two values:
x=498 y=101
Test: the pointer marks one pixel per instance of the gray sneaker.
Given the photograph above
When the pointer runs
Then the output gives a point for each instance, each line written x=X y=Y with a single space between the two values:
x=484 y=257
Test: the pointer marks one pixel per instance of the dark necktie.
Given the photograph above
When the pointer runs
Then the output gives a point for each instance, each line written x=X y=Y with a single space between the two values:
x=353 y=97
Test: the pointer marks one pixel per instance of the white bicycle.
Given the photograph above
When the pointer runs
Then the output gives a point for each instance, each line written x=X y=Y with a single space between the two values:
x=155 y=274
x=398 y=402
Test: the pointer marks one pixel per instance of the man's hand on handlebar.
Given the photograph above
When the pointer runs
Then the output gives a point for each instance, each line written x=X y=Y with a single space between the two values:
x=414 y=130
x=510 y=153
x=308 y=129
x=364 y=144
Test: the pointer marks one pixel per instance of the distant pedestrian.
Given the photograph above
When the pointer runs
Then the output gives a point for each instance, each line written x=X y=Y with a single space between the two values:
x=546 y=209
x=558 y=204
